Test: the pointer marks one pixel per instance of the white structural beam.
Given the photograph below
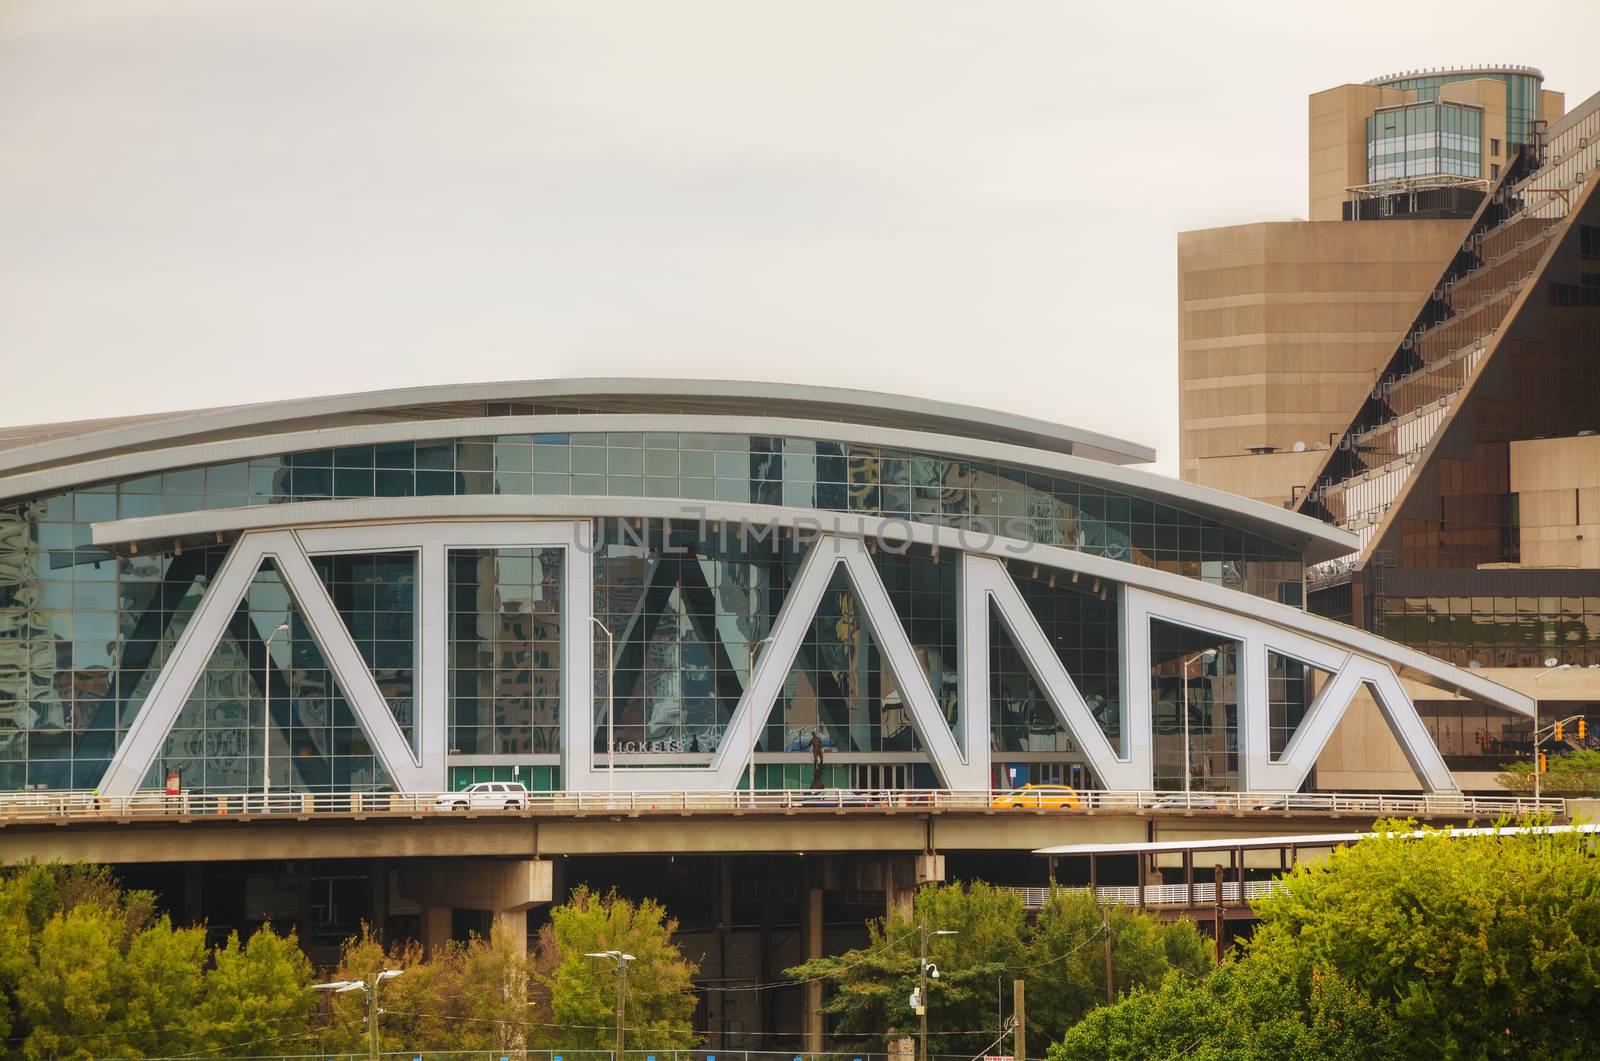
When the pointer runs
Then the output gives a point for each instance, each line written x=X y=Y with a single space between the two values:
x=961 y=760
x=985 y=584
x=204 y=633
x=1259 y=771
x=306 y=514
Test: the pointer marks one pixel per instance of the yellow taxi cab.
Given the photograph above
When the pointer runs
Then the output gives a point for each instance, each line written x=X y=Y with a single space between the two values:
x=1039 y=797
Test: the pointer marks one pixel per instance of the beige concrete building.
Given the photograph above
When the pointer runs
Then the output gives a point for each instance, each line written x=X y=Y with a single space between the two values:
x=1498 y=106
x=1556 y=482
x=1420 y=364
x=1282 y=327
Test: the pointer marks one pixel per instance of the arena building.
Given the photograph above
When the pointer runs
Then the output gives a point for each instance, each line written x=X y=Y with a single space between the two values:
x=657 y=585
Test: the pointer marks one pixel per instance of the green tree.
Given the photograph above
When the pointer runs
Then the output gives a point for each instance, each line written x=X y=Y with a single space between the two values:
x=16 y=947
x=495 y=973
x=1061 y=959
x=1476 y=947
x=462 y=996
x=869 y=988
x=258 y=997
x=426 y=1007
x=73 y=996
x=579 y=993
x=1066 y=977
x=166 y=970
x=1575 y=773
x=1244 y=1011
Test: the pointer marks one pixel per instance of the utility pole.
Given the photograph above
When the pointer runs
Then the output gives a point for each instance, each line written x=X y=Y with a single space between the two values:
x=925 y=971
x=1019 y=1020
x=922 y=988
x=372 y=1023
x=622 y=1003
x=1216 y=919
x=1111 y=979
x=621 y=959
x=373 y=1012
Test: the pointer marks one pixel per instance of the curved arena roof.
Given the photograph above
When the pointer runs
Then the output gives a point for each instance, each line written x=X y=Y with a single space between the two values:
x=54 y=456
x=45 y=445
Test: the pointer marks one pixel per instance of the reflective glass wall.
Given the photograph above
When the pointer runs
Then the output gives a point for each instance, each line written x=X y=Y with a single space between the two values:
x=992 y=499
x=1423 y=140
x=1523 y=106
x=504 y=651
x=1195 y=707
x=313 y=742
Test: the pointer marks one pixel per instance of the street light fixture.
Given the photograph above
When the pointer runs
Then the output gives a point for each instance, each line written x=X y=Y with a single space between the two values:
x=925 y=970
x=266 y=717
x=339 y=987
x=611 y=714
x=1551 y=665
x=622 y=959
x=1208 y=655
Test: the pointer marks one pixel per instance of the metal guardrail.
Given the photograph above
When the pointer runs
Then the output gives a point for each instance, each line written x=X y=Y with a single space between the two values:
x=66 y=806
x=630 y=1054
x=1200 y=894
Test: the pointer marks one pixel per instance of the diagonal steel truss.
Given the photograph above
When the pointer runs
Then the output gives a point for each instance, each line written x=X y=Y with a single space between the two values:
x=961 y=759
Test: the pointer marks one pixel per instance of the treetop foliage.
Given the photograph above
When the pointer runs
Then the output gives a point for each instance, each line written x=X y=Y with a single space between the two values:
x=1474 y=947
x=88 y=970
x=1060 y=957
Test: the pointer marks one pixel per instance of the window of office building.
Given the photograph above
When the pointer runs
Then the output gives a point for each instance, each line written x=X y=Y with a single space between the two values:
x=1424 y=140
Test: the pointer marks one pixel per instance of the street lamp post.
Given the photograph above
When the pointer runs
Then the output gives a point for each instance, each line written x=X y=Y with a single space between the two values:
x=1551 y=666
x=925 y=971
x=371 y=990
x=611 y=676
x=622 y=959
x=1208 y=655
x=266 y=717
x=755 y=722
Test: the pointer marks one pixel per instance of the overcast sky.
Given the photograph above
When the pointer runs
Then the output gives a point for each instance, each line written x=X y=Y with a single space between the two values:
x=222 y=201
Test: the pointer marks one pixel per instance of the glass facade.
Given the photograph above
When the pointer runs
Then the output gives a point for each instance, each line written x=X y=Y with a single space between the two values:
x=504 y=684
x=375 y=595
x=1209 y=667
x=685 y=614
x=1522 y=94
x=314 y=742
x=998 y=499
x=1497 y=631
x=1423 y=140
x=84 y=631
x=1292 y=686
x=1079 y=617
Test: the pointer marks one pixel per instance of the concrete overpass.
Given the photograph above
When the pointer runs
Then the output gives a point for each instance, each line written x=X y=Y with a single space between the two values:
x=157 y=828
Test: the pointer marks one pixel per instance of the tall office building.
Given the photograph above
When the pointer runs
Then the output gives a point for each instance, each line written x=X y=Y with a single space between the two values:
x=1420 y=365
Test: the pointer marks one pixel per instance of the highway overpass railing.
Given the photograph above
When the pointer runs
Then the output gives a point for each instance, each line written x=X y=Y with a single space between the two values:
x=71 y=806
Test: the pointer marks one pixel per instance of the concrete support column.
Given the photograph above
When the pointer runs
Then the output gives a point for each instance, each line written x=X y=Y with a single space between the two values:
x=514 y=923
x=507 y=889
x=378 y=897
x=436 y=926
x=904 y=877
x=811 y=1001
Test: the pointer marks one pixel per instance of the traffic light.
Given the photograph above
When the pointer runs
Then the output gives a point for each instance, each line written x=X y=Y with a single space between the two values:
x=1544 y=763
x=1583 y=729
x=1558 y=731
